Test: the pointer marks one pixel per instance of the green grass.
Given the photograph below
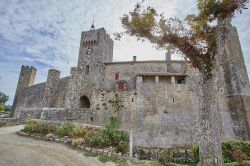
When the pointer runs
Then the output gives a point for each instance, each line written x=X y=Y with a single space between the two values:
x=235 y=163
x=184 y=164
x=153 y=163
x=121 y=163
x=113 y=158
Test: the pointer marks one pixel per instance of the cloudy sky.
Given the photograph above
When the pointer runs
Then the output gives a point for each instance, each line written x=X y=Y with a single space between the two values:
x=46 y=33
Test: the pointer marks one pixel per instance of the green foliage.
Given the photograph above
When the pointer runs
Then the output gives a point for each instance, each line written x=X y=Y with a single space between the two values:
x=2 y=107
x=212 y=9
x=101 y=138
x=227 y=150
x=65 y=129
x=195 y=38
x=239 y=156
x=78 y=131
x=3 y=98
x=154 y=163
x=37 y=127
x=8 y=108
x=195 y=150
x=165 y=157
x=110 y=136
x=106 y=158
x=117 y=103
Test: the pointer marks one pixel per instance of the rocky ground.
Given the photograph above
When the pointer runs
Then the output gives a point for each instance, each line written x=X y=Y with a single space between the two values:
x=23 y=151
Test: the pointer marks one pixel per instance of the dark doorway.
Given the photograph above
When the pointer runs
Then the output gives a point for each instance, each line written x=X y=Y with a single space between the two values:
x=84 y=102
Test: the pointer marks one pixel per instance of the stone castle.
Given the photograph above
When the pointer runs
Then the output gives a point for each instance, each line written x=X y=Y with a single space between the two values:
x=157 y=100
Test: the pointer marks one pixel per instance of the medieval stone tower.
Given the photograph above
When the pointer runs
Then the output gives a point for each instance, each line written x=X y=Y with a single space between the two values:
x=96 y=47
x=26 y=79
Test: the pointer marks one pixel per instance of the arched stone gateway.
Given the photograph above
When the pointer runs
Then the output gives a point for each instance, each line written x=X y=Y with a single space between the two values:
x=84 y=102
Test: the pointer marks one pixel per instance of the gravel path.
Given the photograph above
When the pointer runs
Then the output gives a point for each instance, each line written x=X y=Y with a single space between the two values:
x=22 y=151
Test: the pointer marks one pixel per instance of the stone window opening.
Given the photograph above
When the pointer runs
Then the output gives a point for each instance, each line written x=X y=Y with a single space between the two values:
x=87 y=69
x=165 y=79
x=148 y=79
x=121 y=86
x=181 y=80
x=84 y=102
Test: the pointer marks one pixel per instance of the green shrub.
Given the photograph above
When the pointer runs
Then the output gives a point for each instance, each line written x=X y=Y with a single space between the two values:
x=110 y=136
x=165 y=157
x=122 y=147
x=32 y=126
x=78 y=131
x=65 y=129
x=227 y=150
x=239 y=156
x=195 y=150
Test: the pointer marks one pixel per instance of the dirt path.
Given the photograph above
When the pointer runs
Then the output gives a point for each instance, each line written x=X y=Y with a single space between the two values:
x=22 y=151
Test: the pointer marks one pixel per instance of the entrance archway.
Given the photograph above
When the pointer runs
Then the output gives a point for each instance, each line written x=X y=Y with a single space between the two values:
x=84 y=102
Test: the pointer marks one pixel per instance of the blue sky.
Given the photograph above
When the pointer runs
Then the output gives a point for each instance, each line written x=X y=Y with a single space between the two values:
x=46 y=33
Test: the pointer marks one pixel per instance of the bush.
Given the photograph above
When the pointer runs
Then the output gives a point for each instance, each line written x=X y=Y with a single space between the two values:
x=110 y=136
x=78 y=131
x=165 y=157
x=240 y=157
x=227 y=150
x=65 y=129
x=32 y=126
x=195 y=150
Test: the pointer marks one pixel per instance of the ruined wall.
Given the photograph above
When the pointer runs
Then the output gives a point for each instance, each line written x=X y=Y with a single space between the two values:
x=37 y=95
x=30 y=97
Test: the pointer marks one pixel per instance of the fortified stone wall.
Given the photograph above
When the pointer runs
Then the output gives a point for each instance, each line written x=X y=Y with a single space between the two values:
x=127 y=71
x=35 y=96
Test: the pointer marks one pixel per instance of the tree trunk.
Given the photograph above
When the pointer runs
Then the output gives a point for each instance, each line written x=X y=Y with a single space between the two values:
x=209 y=121
x=209 y=115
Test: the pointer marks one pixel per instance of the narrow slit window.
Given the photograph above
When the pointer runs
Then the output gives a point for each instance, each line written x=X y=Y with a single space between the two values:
x=87 y=69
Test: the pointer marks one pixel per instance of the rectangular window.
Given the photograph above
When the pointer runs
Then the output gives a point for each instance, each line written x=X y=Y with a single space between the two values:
x=148 y=79
x=116 y=76
x=121 y=85
x=165 y=79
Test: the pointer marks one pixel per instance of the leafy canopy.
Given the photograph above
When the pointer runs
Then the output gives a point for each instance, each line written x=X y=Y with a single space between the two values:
x=3 y=99
x=194 y=37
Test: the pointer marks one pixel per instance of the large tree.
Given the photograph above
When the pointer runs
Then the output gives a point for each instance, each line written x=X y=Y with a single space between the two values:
x=201 y=39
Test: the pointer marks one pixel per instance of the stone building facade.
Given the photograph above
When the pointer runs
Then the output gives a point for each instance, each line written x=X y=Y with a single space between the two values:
x=157 y=100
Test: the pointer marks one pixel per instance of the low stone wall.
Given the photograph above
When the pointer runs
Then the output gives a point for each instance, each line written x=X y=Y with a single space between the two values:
x=180 y=154
x=8 y=122
x=56 y=114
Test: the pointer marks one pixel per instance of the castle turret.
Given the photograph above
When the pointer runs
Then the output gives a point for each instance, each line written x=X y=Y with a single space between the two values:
x=26 y=79
x=95 y=46
x=51 y=88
